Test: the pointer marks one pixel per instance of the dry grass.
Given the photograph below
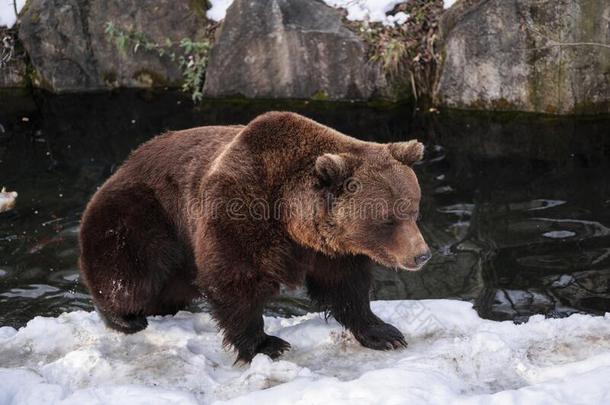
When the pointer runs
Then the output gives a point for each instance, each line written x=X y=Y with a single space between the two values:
x=407 y=52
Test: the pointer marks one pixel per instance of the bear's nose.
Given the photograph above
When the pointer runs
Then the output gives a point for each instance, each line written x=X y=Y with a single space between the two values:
x=423 y=258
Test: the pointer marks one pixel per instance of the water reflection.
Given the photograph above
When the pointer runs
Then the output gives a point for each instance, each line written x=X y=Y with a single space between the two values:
x=517 y=209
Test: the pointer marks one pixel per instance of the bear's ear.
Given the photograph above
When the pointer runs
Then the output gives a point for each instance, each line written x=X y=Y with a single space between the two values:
x=333 y=169
x=407 y=152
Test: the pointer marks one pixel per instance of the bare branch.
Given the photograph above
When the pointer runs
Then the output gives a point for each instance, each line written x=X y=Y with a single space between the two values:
x=554 y=44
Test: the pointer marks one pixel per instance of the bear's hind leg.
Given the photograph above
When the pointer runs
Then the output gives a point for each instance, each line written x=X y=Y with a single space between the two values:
x=129 y=252
x=177 y=293
x=123 y=323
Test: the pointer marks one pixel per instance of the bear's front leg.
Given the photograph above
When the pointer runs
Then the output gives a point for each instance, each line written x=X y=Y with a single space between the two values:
x=245 y=332
x=237 y=303
x=342 y=286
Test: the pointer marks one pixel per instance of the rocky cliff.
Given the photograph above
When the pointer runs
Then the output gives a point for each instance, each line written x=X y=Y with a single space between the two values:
x=547 y=56
x=289 y=49
x=550 y=56
x=71 y=50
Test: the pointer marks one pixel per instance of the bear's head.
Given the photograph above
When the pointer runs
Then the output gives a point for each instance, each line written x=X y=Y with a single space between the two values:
x=368 y=203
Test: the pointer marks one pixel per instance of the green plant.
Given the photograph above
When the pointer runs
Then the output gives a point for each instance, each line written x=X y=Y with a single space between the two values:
x=191 y=56
x=193 y=64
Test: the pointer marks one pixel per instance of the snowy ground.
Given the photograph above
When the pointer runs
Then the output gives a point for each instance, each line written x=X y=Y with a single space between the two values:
x=453 y=357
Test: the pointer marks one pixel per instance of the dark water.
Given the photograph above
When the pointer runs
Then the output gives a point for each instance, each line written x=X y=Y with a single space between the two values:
x=516 y=208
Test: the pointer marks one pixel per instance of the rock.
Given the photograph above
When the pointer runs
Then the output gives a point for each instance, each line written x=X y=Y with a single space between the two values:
x=289 y=49
x=548 y=56
x=7 y=200
x=70 y=50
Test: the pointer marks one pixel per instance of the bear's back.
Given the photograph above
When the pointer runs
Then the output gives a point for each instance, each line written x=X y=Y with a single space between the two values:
x=173 y=153
x=172 y=166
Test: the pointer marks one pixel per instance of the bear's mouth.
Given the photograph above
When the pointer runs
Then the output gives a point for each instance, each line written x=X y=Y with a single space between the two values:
x=402 y=267
x=393 y=262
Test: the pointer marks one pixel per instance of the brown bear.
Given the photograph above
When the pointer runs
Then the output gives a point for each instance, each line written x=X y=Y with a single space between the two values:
x=232 y=212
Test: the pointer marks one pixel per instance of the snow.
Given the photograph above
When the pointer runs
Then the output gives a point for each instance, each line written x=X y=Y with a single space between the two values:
x=7 y=12
x=454 y=357
x=218 y=9
x=357 y=10
x=448 y=3
x=369 y=10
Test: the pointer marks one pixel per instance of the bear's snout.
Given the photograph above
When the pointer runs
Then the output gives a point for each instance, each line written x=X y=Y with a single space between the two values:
x=422 y=259
x=417 y=262
x=413 y=251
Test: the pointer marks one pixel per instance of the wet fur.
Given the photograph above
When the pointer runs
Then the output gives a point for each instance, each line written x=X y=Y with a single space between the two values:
x=150 y=243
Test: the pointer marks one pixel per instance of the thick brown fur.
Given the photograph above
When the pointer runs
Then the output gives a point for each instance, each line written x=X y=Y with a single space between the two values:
x=231 y=213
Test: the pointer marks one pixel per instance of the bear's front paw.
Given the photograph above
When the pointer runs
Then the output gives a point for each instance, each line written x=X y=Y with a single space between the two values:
x=272 y=346
x=380 y=337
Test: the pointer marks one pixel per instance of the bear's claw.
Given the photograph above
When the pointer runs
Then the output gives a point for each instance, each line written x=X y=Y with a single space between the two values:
x=381 y=337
